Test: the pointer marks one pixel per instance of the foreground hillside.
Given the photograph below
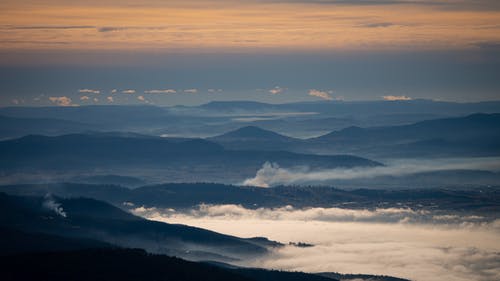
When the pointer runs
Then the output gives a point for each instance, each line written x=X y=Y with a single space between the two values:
x=89 y=219
x=136 y=264
x=82 y=239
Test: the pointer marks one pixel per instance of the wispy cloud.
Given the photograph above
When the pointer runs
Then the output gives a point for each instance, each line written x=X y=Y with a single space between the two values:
x=442 y=4
x=326 y=95
x=111 y=28
x=377 y=24
x=123 y=28
x=396 y=98
x=34 y=27
x=129 y=91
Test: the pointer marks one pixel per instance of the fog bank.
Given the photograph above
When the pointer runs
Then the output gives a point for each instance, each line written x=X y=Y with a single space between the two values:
x=383 y=241
x=272 y=174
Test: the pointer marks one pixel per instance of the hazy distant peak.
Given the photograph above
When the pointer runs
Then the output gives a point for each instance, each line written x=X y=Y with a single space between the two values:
x=251 y=132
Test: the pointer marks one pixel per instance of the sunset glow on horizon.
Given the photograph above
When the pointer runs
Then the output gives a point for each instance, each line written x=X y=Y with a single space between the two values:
x=244 y=25
x=344 y=50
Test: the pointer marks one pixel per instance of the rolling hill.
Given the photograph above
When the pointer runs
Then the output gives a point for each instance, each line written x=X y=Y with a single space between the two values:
x=472 y=135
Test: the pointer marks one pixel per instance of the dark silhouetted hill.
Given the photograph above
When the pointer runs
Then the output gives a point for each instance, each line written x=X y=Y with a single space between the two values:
x=80 y=218
x=108 y=264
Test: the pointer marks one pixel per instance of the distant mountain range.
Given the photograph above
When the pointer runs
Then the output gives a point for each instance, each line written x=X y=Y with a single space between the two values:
x=185 y=158
x=239 y=154
x=17 y=127
x=365 y=108
x=302 y=119
x=473 y=135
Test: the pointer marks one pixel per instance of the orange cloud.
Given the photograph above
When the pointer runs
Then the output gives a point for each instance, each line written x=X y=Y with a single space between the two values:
x=321 y=94
x=62 y=101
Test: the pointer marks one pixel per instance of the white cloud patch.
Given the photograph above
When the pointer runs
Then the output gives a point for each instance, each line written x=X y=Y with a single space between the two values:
x=277 y=90
x=380 y=241
x=129 y=91
x=272 y=174
x=326 y=95
x=396 y=98
x=84 y=98
x=62 y=101
x=114 y=91
x=110 y=99
x=141 y=98
x=89 y=91
x=165 y=91
x=191 y=91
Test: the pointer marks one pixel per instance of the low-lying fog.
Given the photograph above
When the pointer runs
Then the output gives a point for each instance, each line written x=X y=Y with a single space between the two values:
x=272 y=174
x=414 y=244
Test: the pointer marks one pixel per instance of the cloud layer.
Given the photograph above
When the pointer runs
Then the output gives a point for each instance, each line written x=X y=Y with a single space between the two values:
x=284 y=25
x=414 y=244
x=332 y=214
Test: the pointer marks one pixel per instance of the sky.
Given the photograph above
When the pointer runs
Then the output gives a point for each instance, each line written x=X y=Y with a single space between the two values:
x=69 y=53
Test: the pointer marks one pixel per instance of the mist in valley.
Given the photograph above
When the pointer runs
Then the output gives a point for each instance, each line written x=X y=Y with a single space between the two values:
x=419 y=245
